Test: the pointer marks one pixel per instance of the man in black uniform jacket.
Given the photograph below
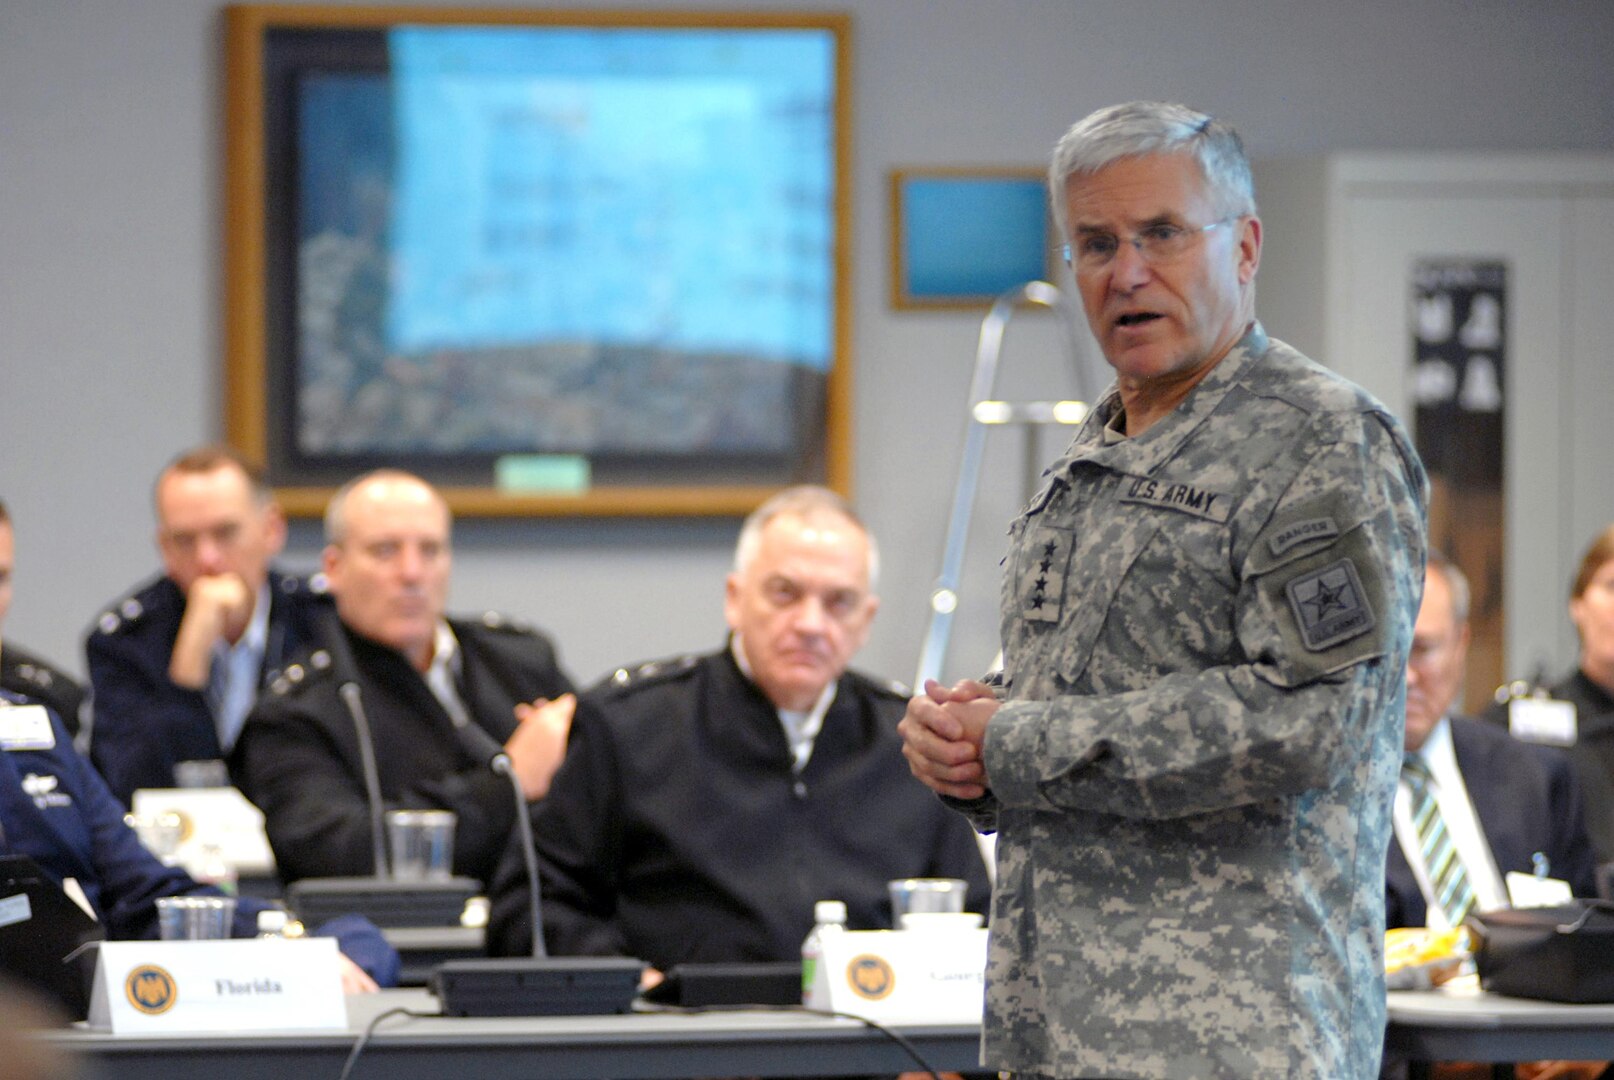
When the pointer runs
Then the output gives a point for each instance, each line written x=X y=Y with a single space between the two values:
x=21 y=671
x=706 y=803
x=438 y=693
x=176 y=664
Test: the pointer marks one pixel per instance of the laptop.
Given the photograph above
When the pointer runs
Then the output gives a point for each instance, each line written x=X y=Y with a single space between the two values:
x=41 y=931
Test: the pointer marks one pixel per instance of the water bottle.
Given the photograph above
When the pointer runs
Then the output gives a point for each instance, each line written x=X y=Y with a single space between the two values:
x=829 y=919
x=272 y=924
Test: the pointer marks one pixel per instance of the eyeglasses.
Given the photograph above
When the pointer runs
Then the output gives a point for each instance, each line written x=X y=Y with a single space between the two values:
x=1156 y=243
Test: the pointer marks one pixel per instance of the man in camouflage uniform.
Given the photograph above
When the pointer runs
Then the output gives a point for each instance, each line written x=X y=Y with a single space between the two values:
x=1190 y=754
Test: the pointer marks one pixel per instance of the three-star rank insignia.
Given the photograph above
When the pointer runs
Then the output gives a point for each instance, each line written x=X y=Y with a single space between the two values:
x=1042 y=573
x=1329 y=605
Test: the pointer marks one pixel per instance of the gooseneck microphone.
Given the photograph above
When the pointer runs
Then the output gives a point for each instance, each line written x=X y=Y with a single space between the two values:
x=346 y=671
x=372 y=778
x=480 y=746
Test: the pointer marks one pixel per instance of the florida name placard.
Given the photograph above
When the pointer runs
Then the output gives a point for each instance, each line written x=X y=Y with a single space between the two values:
x=245 y=985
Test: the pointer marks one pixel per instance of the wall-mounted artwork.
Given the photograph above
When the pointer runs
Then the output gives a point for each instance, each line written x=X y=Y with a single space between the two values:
x=960 y=238
x=556 y=262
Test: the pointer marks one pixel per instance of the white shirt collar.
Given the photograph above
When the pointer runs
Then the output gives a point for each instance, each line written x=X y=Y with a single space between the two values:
x=801 y=728
x=442 y=674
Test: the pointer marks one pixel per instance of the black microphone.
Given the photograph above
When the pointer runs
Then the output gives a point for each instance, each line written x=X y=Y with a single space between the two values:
x=346 y=671
x=480 y=746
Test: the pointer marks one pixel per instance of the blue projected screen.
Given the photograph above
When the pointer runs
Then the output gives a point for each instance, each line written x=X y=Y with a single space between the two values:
x=973 y=236
x=587 y=240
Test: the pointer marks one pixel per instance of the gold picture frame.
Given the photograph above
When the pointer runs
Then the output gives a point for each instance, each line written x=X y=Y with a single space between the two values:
x=271 y=375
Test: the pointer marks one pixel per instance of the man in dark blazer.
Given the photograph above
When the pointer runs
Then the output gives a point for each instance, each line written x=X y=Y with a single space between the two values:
x=1510 y=806
x=176 y=664
x=439 y=696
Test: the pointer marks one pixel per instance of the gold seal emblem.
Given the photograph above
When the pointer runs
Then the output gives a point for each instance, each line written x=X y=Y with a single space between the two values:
x=871 y=977
x=151 y=989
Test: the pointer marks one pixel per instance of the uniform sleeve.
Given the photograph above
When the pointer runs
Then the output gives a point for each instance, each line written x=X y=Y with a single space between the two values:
x=142 y=722
x=957 y=854
x=578 y=832
x=315 y=814
x=131 y=878
x=1325 y=593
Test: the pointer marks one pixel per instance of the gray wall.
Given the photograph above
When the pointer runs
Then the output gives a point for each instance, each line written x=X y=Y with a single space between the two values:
x=109 y=266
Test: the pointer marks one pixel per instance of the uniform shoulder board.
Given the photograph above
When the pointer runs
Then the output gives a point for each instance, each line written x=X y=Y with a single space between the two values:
x=303 y=672
x=314 y=585
x=497 y=620
x=625 y=679
x=41 y=677
x=126 y=612
x=889 y=687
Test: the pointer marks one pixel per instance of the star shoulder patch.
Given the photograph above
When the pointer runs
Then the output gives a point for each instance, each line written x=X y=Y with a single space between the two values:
x=1329 y=605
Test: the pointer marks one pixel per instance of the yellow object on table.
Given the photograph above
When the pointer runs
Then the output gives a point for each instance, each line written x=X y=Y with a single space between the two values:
x=1416 y=958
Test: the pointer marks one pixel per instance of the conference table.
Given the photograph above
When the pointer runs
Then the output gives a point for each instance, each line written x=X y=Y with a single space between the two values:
x=1437 y=1025
x=1464 y=1023
x=643 y=1045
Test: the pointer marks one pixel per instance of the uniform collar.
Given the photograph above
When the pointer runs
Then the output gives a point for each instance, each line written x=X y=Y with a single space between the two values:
x=1142 y=455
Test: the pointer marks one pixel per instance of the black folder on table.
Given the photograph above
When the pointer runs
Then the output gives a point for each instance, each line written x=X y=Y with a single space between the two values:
x=41 y=933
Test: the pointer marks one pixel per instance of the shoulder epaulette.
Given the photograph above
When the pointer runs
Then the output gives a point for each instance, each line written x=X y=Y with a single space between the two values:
x=305 y=672
x=126 y=612
x=889 y=687
x=626 y=679
x=296 y=584
x=36 y=675
x=497 y=620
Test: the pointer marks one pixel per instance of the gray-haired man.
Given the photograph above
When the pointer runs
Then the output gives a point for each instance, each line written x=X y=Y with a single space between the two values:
x=1205 y=619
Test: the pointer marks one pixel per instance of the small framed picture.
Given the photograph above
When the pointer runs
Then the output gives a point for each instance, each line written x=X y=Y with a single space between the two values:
x=960 y=238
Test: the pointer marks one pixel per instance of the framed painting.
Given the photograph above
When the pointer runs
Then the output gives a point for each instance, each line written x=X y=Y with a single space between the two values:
x=960 y=238
x=555 y=262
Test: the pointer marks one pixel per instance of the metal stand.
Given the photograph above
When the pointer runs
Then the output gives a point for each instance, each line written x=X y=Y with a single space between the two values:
x=986 y=412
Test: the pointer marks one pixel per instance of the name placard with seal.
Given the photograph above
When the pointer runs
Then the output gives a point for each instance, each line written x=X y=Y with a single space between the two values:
x=905 y=975
x=238 y=985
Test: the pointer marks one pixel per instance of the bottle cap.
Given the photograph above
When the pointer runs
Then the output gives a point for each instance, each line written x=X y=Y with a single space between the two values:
x=829 y=911
x=272 y=921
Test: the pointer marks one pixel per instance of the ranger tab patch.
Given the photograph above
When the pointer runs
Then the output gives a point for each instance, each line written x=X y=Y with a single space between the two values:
x=1330 y=606
x=1289 y=536
x=1185 y=498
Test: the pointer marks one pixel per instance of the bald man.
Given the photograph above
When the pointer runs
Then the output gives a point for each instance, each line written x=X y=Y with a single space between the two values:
x=440 y=694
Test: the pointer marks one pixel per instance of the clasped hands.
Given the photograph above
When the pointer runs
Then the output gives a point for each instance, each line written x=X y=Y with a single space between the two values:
x=943 y=731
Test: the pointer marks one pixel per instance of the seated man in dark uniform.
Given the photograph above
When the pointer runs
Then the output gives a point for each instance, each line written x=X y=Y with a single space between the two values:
x=1506 y=805
x=440 y=697
x=20 y=670
x=57 y=810
x=175 y=665
x=707 y=802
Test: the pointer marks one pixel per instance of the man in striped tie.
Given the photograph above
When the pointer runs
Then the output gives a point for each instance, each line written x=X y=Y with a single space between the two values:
x=1473 y=803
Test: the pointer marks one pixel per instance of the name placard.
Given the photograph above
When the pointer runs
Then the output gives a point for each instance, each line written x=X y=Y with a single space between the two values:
x=245 y=985
x=905 y=976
